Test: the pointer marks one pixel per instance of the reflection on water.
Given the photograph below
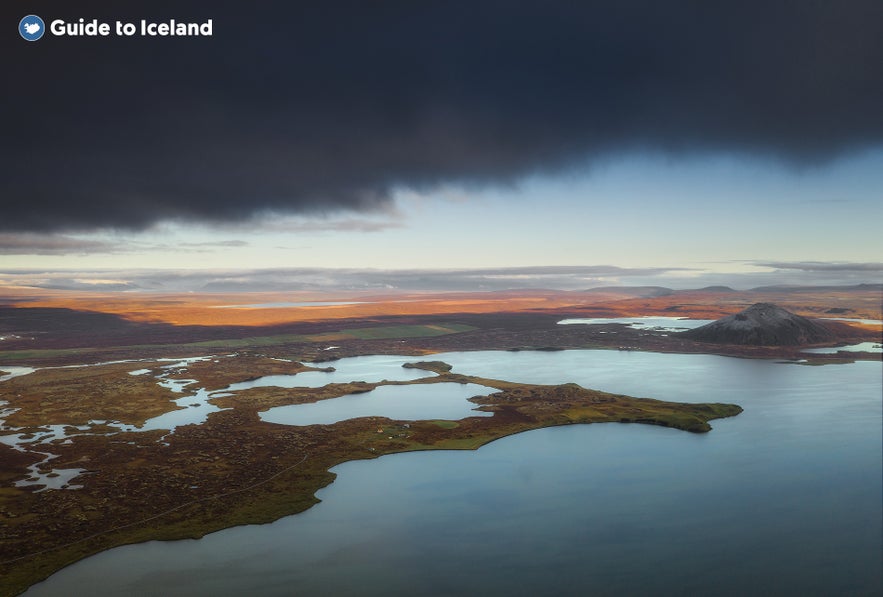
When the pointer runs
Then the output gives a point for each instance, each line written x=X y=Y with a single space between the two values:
x=57 y=478
x=447 y=401
x=848 y=319
x=14 y=371
x=783 y=499
x=862 y=347
x=659 y=324
x=371 y=369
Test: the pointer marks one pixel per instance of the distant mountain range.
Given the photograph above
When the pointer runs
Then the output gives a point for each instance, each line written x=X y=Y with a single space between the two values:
x=800 y=288
x=635 y=291
x=654 y=291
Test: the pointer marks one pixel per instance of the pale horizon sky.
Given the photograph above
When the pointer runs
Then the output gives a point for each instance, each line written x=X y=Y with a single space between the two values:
x=718 y=218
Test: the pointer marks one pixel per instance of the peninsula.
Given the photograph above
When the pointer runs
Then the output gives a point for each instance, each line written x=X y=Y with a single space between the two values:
x=233 y=468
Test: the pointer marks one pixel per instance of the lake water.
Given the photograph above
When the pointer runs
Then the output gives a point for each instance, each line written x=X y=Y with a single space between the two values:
x=372 y=368
x=659 y=324
x=14 y=371
x=448 y=401
x=850 y=319
x=860 y=347
x=784 y=499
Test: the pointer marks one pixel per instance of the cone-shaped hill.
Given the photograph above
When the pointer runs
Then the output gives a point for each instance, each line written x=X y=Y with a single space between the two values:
x=763 y=324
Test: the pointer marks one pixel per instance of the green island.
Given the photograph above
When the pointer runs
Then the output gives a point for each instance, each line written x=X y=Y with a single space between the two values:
x=234 y=468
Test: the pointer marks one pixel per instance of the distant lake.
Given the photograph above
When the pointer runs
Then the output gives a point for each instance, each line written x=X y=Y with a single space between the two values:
x=663 y=324
x=448 y=401
x=784 y=499
x=14 y=371
x=371 y=368
x=860 y=347
x=848 y=319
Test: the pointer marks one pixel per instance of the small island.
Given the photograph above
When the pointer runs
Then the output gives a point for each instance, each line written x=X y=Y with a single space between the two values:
x=439 y=367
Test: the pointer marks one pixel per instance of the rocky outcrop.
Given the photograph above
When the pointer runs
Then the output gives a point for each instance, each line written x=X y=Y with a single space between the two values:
x=763 y=324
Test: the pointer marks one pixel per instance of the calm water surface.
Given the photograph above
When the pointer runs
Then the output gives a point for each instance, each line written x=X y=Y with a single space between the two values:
x=448 y=401
x=861 y=347
x=372 y=368
x=667 y=324
x=784 y=499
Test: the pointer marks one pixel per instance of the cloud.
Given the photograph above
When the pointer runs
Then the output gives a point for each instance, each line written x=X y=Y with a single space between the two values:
x=336 y=225
x=824 y=266
x=818 y=273
x=325 y=279
x=215 y=244
x=41 y=244
x=433 y=280
x=61 y=244
x=205 y=247
x=59 y=283
x=319 y=107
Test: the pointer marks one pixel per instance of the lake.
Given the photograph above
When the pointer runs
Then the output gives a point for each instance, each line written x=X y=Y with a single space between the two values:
x=647 y=322
x=447 y=401
x=860 y=347
x=783 y=499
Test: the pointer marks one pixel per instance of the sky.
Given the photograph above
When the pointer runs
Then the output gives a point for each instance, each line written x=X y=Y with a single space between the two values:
x=445 y=146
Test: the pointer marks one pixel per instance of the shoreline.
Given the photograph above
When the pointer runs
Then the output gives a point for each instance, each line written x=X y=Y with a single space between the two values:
x=254 y=493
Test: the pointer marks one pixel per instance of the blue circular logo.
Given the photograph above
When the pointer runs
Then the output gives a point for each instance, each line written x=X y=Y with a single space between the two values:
x=32 y=27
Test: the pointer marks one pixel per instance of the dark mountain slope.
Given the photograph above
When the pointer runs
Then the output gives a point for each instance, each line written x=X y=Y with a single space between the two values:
x=763 y=324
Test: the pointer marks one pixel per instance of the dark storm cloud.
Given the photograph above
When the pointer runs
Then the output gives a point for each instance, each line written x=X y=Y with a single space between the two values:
x=324 y=106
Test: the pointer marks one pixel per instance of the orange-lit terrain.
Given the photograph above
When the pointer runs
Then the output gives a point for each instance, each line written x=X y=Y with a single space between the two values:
x=237 y=310
x=63 y=327
x=234 y=309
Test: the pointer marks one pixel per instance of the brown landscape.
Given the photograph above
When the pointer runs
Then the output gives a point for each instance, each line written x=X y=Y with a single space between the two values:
x=234 y=468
